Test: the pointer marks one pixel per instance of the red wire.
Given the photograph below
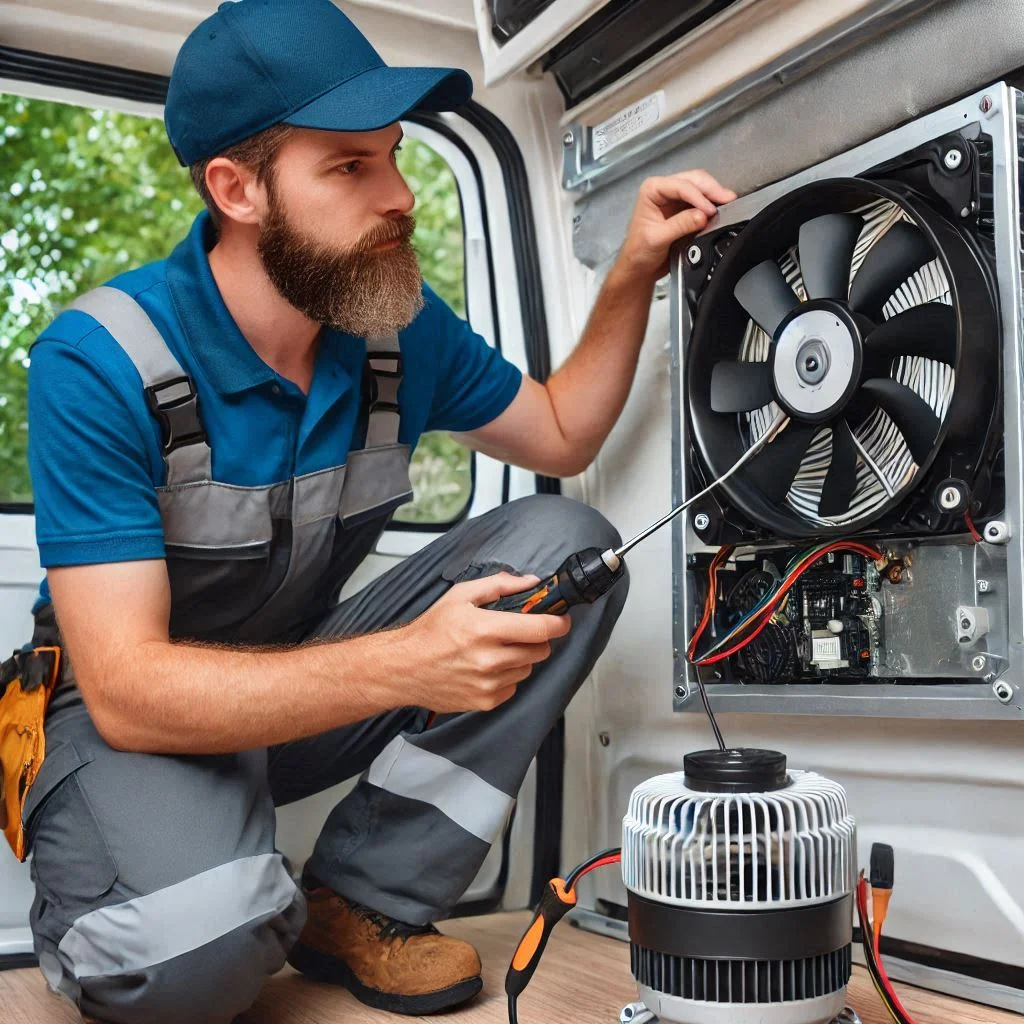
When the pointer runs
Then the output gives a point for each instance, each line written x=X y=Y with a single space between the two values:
x=769 y=610
x=614 y=858
x=862 y=903
x=970 y=526
x=709 y=604
x=885 y=979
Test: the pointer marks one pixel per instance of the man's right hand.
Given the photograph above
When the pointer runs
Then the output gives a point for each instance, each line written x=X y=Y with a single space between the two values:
x=471 y=658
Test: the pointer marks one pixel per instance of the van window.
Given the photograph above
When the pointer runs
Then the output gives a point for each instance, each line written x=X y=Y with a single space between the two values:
x=86 y=194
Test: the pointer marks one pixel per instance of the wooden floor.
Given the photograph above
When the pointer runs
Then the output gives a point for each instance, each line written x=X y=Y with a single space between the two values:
x=583 y=979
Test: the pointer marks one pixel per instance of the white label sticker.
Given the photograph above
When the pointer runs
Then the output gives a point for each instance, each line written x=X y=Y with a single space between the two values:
x=627 y=123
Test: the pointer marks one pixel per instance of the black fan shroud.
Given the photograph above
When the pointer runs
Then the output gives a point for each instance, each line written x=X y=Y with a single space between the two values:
x=970 y=344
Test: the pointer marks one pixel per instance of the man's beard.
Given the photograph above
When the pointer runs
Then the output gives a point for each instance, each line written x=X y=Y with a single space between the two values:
x=368 y=294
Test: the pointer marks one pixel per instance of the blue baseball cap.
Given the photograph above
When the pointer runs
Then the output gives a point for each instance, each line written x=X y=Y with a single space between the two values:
x=257 y=63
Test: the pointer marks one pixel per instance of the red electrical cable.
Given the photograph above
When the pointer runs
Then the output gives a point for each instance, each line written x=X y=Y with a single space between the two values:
x=880 y=975
x=614 y=858
x=765 y=615
x=885 y=977
x=970 y=526
x=709 y=605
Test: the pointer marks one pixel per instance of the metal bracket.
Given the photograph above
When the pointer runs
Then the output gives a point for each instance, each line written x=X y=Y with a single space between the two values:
x=581 y=170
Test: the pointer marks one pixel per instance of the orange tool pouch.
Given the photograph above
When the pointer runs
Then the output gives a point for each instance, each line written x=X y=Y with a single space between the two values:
x=26 y=683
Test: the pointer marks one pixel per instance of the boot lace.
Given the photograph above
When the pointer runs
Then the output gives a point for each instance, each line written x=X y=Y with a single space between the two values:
x=389 y=928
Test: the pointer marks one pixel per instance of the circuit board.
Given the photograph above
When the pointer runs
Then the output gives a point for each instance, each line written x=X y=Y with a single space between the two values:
x=829 y=626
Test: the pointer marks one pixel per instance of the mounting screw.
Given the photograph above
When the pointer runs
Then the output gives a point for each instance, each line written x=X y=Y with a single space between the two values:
x=604 y=739
x=965 y=212
x=680 y=692
x=568 y=139
x=950 y=498
x=965 y=623
x=997 y=532
x=984 y=586
x=694 y=254
x=701 y=521
x=953 y=159
x=978 y=663
x=986 y=104
x=1003 y=691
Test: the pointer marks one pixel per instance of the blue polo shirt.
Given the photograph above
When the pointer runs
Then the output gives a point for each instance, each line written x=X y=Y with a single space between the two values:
x=94 y=446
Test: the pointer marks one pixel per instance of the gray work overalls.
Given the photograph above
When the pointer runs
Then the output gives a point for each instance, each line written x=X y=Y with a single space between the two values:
x=160 y=896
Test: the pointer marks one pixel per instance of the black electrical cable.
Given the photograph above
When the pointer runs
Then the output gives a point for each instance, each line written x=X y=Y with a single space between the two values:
x=558 y=899
x=591 y=862
x=871 y=963
x=711 y=715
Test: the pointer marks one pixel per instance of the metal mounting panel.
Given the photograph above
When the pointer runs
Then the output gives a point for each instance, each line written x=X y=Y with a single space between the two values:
x=989 y=584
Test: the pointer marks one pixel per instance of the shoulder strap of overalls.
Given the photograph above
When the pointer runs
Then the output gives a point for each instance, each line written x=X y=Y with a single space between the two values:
x=170 y=392
x=384 y=357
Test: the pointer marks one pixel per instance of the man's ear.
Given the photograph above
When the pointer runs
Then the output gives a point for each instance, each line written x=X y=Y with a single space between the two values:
x=235 y=190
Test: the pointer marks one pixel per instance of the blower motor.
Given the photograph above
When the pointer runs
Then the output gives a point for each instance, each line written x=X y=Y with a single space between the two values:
x=741 y=879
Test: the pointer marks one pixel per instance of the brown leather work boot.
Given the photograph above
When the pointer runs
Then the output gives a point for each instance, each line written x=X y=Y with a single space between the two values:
x=403 y=968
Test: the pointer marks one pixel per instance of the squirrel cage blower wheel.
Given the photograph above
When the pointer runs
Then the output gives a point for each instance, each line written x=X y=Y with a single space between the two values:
x=740 y=878
x=867 y=317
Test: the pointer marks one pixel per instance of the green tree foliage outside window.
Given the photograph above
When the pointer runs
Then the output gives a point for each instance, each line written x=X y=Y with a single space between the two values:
x=87 y=194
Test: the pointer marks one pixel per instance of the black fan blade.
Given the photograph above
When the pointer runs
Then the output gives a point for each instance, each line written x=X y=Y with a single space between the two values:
x=774 y=468
x=741 y=387
x=826 y=250
x=911 y=414
x=764 y=294
x=841 y=479
x=928 y=330
x=891 y=260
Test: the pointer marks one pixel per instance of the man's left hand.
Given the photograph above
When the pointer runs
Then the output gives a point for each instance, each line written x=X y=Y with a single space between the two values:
x=669 y=209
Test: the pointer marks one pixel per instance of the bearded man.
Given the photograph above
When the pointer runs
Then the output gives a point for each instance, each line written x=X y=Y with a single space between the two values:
x=217 y=441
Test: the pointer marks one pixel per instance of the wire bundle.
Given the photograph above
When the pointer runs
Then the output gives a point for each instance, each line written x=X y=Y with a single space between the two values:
x=870 y=934
x=599 y=860
x=752 y=624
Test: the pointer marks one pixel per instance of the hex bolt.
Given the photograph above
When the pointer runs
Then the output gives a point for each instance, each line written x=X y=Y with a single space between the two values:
x=568 y=139
x=701 y=521
x=694 y=255
x=950 y=498
x=1003 y=691
x=953 y=159
x=984 y=586
x=680 y=692
x=965 y=623
x=978 y=663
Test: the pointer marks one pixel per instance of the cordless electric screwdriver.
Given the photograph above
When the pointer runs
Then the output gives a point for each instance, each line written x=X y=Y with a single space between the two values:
x=582 y=578
x=588 y=574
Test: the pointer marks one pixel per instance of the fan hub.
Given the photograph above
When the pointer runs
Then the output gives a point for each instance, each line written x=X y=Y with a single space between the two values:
x=817 y=358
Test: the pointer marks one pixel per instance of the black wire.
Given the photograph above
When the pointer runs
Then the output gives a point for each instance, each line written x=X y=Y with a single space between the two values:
x=873 y=969
x=513 y=1016
x=711 y=715
x=577 y=871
